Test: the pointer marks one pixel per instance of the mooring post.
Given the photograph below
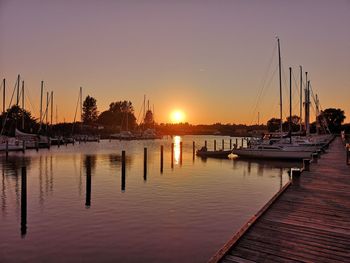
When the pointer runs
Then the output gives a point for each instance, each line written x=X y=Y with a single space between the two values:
x=123 y=171
x=161 y=159
x=223 y=144
x=295 y=174
x=306 y=164
x=88 y=181
x=180 y=152
x=242 y=143
x=37 y=145
x=145 y=163
x=214 y=145
x=230 y=144
x=347 y=153
x=314 y=157
x=7 y=149
x=23 y=146
x=205 y=144
x=236 y=142
x=172 y=155
x=24 y=202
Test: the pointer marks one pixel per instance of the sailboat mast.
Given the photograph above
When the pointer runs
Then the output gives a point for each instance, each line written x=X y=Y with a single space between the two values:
x=41 y=103
x=18 y=82
x=47 y=109
x=4 y=96
x=317 y=113
x=23 y=105
x=144 y=108
x=81 y=107
x=280 y=81
x=307 y=106
x=51 y=106
x=301 y=99
x=290 y=104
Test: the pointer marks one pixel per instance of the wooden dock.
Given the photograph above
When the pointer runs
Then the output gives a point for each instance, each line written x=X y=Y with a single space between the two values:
x=308 y=222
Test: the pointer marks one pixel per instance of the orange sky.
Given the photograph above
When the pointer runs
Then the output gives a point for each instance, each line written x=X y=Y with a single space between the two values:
x=206 y=58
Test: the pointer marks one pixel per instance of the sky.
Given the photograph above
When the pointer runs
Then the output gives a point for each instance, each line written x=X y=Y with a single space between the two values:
x=214 y=60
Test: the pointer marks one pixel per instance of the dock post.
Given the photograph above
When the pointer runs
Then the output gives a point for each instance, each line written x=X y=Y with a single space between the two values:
x=214 y=145
x=161 y=159
x=37 y=145
x=7 y=149
x=123 y=171
x=314 y=157
x=319 y=154
x=347 y=153
x=230 y=144
x=295 y=174
x=172 y=155
x=236 y=142
x=223 y=144
x=88 y=182
x=306 y=165
x=242 y=143
x=180 y=153
x=205 y=144
x=24 y=202
x=145 y=163
x=23 y=146
x=193 y=149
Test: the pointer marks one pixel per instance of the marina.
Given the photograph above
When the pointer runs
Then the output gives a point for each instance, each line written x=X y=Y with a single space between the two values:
x=308 y=221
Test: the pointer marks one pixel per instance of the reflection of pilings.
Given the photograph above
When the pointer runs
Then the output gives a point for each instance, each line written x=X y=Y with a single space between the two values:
x=161 y=158
x=123 y=171
x=214 y=145
x=88 y=181
x=180 y=153
x=145 y=164
x=24 y=203
x=172 y=155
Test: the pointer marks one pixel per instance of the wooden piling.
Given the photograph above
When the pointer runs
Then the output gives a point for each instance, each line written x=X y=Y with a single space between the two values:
x=180 y=152
x=123 y=171
x=306 y=164
x=37 y=145
x=23 y=201
x=347 y=153
x=88 y=181
x=7 y=149
x=23 y=146
x=223 y=144
x=242 y=143
x=172 y=155
x=145 y=163
x=161 y=159
x=214 y=145
x=230 y=144
x=314 y=157
x=205 y=144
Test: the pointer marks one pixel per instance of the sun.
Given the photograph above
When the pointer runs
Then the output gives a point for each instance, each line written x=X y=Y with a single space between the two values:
x=177 y=116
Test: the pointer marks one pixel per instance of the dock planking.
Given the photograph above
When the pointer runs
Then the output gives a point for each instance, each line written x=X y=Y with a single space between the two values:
x=308 y=222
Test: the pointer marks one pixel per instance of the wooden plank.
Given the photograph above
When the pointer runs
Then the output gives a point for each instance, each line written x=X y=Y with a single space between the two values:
x=310 y=221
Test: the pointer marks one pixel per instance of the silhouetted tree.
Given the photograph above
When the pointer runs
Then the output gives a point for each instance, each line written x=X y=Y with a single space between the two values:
x=90 y=112
x=334 y=119
x=295 y=123
x=273 y=124
x=14 y=116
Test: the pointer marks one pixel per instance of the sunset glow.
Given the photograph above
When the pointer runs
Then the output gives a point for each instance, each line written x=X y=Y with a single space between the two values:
x=177 y=116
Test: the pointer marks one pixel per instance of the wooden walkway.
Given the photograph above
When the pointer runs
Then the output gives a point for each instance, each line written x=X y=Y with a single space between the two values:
x=309 y=222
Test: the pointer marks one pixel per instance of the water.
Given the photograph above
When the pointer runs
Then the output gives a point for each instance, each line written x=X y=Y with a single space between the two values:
x=184 y=214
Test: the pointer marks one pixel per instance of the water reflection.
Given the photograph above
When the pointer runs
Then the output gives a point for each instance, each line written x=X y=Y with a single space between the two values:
x=177 y=140
x=89 y=163
x=24 y=202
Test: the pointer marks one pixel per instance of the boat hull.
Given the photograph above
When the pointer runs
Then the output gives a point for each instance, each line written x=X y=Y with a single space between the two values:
x=273 y=154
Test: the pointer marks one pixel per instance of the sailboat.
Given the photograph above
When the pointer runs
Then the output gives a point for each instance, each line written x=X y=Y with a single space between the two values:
x=279 y=148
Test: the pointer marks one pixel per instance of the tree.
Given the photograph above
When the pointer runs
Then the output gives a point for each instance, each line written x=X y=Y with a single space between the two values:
x=333 y=118
x=273 y=124
x=120 y=114
x=14 y=117
x=295 y=121
x=90 y=112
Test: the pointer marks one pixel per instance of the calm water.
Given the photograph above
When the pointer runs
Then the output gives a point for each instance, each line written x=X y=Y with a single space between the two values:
x=79 y=210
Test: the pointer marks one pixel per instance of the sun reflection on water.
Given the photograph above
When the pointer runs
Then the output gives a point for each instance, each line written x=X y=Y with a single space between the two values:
x=177 y=140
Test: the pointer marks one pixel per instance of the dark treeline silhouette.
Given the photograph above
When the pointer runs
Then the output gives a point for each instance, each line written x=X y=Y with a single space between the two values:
x=120 y=117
